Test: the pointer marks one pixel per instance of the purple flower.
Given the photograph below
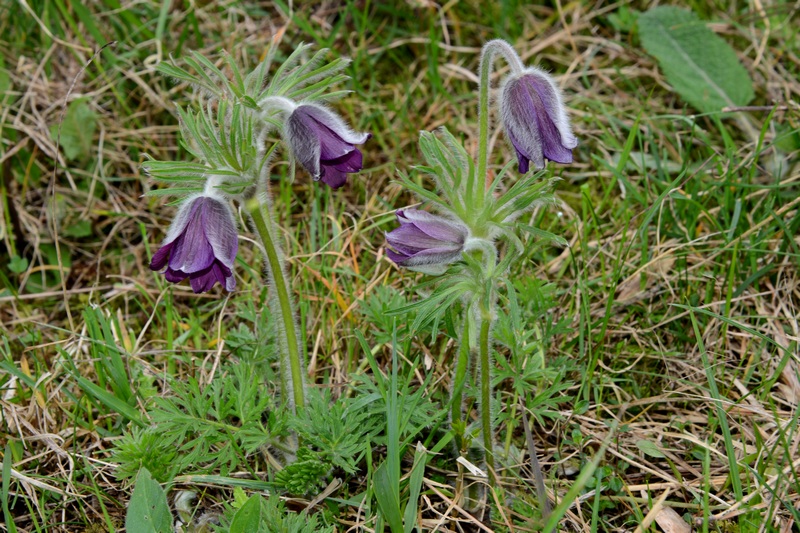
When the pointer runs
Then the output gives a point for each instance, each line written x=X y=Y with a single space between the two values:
x=201 y=245
x=425 y=239
x=324 y=145
x=535 y=120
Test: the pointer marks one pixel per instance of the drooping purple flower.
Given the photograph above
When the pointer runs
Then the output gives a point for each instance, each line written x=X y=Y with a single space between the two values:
x=201 y=245
x=324 y=145
x=425 y=239
x=535 y=120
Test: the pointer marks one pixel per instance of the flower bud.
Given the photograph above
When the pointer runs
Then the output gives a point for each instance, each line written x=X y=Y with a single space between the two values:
x=201 y=244
x=535 y=120
x=425 y=239
x=323 y=144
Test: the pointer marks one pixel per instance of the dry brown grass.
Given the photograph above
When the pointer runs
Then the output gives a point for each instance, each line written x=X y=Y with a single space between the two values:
x=633 y=356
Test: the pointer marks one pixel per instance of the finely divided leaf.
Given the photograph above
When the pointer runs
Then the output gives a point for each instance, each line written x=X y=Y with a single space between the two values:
x=701 y=66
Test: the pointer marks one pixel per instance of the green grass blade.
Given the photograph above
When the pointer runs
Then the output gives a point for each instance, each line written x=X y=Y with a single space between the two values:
x=7 y=460
x=414 y=487
x=722 y=416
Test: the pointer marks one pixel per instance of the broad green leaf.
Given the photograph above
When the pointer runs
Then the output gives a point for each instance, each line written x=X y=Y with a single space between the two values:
x=248 y=518
x=5 y=80
x=18 y=264
x=388 y=495
x=148 y=511
x=77 y=130
x=82 y=228
x=701 y=66
x=650 y=448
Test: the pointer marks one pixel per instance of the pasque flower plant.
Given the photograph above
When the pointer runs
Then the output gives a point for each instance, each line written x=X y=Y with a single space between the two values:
x=468 y=234
x=229 y=139
x=473 y=236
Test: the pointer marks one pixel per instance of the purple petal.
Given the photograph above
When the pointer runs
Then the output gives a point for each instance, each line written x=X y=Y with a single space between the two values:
x=324 y=145
x=436 y=227
x=398 y=258
x=305 y=144
x=424 y=257
x=350 y=162
x=220 y=230
x=206 y=247
x=547 y=105
x=161 y=257
x=333 y=177
x=191 y=251
x=425 y=239
x=228 y=281
x=335 y=124
x=186 y=213
x=522 y=157
x=522 y=125
x=402 y=248
x=535 y=120
x=223 y=275
x=434 y=255
x=331 y=145
x=542 y=96
x=411 y=237
x=204 y=280
x=174 y=276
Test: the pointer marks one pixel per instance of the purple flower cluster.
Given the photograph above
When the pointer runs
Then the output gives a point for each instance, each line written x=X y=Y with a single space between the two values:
x=202 y=241
x=536 y=125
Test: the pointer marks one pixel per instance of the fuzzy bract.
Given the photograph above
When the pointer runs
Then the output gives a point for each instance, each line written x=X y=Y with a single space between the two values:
x=324 y=144
x=425 y=239
x=201 y=245
x=535 y=119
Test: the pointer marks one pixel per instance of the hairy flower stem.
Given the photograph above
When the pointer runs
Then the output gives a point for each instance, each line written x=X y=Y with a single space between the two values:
x=462 y=365
x=291 y=356
x=486 y=389
x=477 y=187
x=490 y=49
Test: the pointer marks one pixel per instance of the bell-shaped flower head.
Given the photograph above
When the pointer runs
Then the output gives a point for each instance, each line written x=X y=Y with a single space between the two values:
x=424 y=239
x=324 y=144
x=201 y=245
x=535 y=120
